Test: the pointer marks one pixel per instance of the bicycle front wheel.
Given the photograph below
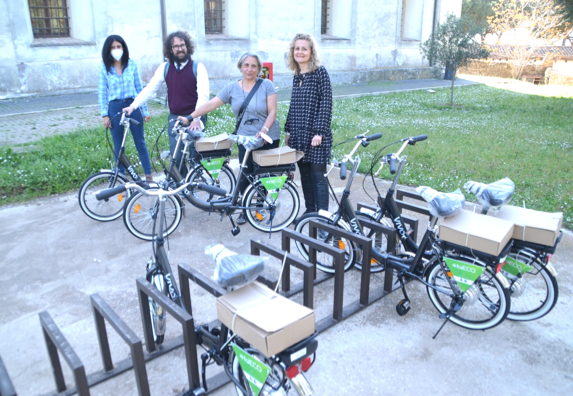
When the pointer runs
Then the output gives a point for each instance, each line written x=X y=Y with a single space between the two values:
x=225 y=180
x=285 y=208
x=534 y=292
x=106 y=209
x=483 y=306
x=157 y=313
x=324 y=261
x=141 y=212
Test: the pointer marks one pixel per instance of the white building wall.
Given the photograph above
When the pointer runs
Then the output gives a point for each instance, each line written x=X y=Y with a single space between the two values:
x=363 y=35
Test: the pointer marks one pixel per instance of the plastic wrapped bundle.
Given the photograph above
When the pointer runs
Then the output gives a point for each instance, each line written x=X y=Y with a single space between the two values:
x=232 y=269
x=442 y=204
x=249 y=142
x=495 y=194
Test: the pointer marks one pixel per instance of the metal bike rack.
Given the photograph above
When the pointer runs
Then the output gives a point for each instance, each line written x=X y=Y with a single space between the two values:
x=102 y=312
x=57 y=343
x=146 y=290
x=6 y=387
x=307 y=286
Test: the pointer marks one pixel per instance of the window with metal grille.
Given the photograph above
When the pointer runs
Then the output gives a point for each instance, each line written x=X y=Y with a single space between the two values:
x=49 y=18
x=214 y=16
x=324 y=17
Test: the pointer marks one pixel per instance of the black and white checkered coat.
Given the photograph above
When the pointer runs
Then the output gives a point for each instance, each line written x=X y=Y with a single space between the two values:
x=310 y=114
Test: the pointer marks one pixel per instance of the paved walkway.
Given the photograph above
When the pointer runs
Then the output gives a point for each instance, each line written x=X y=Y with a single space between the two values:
x=31 y=118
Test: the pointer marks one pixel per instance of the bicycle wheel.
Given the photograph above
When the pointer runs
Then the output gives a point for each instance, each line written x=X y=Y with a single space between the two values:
x=158 y=314
x=107 y=209
x=484 y=305
x=325 y=262
x=271 y=386
x=285 y=207
x=380 y=242
x=533 y=293
x=225 y=180
x=140 y=213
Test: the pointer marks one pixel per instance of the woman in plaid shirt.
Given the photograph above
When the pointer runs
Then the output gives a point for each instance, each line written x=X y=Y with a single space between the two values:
x=119 y=83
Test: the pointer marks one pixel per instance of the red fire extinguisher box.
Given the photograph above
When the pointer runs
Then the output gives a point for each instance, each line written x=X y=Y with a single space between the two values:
x=268 y=70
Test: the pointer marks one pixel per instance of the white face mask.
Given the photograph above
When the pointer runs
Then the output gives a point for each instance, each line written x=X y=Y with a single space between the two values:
x=117 y=54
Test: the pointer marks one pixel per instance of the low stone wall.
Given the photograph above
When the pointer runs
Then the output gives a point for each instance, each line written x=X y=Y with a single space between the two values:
x=560 y=74
x=499 y=69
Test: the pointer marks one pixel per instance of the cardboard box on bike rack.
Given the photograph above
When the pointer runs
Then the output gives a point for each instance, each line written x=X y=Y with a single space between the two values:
x=218 y=142
x=532 y=225
x=269 y=322
x=476 y=231
x=278 y=156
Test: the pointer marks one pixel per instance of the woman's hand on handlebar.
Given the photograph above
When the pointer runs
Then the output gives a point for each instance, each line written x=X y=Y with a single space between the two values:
x=128 y=110
x=106 y=122
x=183 y=120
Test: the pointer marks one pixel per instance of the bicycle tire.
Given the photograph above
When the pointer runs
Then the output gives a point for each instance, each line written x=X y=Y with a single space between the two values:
x=225 y=180
x=286 y=211
x=535 y=293
x=324 y=262
x=157 y=313
x=486 y=302
x=380 y=242
x=104 y=210
x=272 y=379
x=140 y=213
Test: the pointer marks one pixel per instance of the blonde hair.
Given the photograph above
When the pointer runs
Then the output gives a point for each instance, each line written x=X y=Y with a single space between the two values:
x=314 y=61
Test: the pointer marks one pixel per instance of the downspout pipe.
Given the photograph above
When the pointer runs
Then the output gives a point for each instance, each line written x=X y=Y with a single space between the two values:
x=163 y=21
x=435 y=16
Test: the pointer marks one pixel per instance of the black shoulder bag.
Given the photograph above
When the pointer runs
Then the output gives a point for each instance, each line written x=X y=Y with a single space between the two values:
x=245 y=104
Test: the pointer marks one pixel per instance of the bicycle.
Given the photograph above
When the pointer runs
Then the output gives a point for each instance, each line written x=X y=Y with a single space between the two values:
x=141 y=210
x=270 y=201
x=534 y=289
x=344 y=217
x=109 y=209
x=282 y=370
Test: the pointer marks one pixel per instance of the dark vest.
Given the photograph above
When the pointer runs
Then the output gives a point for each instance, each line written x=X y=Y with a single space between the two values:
x=181 y=89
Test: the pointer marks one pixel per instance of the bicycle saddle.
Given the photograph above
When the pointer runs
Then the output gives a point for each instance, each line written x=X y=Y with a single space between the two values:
x=249 y=142
x=232 y=269
x=495 y=194
x=442 y=204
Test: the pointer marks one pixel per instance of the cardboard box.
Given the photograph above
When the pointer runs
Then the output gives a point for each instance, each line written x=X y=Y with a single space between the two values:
x=218 y=142
x=479 y=232
x=278 y=156
x=266 y=320
x=531 y=225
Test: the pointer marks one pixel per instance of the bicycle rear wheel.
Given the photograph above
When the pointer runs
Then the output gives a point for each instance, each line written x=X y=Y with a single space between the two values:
x=107 y=209
x=534 y=293
x=225 y=180
x=285 y=210
x=141 y=212
x=271 y=386
x=324 y=261
x=484 y=305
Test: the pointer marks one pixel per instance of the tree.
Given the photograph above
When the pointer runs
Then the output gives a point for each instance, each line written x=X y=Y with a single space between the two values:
x=524 y=26
x=477 y=12
x=453 y=45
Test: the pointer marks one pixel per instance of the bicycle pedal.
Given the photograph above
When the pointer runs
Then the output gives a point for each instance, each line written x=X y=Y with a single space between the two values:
x=403 y=307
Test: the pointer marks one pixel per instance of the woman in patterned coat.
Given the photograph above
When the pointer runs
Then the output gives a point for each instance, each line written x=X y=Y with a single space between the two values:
x=308 y=122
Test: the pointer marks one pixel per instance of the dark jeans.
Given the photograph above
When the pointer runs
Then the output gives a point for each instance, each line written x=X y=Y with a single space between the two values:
x=114 y=112
x=173 y=143
x=244 y=183
x=314 y=186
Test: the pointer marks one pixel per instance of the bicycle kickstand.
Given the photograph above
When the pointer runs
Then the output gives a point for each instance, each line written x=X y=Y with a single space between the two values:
x=446 y=316
x=404 y=305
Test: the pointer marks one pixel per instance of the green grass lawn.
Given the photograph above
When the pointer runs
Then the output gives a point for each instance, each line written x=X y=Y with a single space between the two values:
x=515 y=130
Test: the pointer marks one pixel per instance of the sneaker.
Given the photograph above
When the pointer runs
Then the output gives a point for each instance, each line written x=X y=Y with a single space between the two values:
x=242 y=219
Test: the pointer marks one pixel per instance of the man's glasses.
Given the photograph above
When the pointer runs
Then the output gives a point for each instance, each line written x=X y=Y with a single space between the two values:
x=252 y=121
x=178 y=47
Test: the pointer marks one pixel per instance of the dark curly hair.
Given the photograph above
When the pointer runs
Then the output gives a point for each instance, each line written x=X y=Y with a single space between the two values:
x=106 y=52
x=169 y=43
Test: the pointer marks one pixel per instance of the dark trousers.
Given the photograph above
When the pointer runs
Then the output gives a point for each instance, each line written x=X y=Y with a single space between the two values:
x=244 y=183
x=114 y=112
x=314 y=186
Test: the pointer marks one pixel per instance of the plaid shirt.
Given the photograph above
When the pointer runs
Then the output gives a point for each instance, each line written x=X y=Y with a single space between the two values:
x=112 y=86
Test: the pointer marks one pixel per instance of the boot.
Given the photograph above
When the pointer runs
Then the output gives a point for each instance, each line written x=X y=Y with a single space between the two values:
x=307 y=190
x=320 y=187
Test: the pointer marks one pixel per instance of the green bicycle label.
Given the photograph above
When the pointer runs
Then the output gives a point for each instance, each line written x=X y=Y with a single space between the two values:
x=213 y=166
x=254 y=370
x=465 y=274
x=274 y=185
x=514 y=267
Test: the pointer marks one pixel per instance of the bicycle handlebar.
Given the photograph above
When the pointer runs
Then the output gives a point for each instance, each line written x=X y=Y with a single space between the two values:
x=373 y=137
x=343 y=170
x=392 y=165
x=110 y=192
x=134 y=122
